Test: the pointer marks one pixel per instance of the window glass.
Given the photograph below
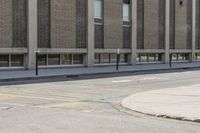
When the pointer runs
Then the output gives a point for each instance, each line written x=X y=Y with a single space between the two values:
x=77 y=59
x=98 y=8
x=66 y=59
x=97 y=58
x=126 y=12
x=123 y=58
x=53 y=59
x=113 y=58
x=151 y=57
x=42 y=59
x=17 y=60
x=143 y=57
x=198 y=56
x=105 y=58
x=4 y=60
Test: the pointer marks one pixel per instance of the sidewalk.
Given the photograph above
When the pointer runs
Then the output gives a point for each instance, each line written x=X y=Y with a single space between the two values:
x=178 y=103
x=59 y=72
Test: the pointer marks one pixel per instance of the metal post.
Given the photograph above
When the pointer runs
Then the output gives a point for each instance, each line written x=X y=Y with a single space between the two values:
x=170 y=58
x=36 y=63
x=118 y=59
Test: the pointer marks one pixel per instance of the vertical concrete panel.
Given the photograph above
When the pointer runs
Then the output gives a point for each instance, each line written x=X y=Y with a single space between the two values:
x=6 y=24
x=44 y=24
x=32 y=33
x=180 y=25
x=19 y=23
x=113 y=24
x=63 y=23
x=151 y=24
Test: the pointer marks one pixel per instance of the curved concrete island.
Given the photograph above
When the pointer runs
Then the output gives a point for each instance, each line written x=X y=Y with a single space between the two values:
x=181 y=103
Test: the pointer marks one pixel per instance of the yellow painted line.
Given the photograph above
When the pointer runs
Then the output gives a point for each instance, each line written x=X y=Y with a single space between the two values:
x=6 y=96
x=63 y=105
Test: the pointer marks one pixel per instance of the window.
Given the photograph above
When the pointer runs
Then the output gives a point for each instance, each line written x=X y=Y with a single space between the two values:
x=54 y=59
x=98 y=9
x=42 y=60
x=77 y=59
x=126 y=12
x=66 y=59
x=17 y=60
x=4 y=60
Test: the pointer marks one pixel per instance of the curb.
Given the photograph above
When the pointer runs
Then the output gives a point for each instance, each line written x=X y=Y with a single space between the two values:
x=147 y=71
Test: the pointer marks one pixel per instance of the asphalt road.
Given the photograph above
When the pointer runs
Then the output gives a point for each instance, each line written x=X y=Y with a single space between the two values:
x=88 y=104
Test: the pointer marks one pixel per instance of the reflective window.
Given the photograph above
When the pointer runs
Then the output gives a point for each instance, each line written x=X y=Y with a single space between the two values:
x=4 y=60
x=42 y=59
x=97 y=58
x=105 y=58
x=77 y=59
x=98 y=8
x=66 y=59
x=53 y=59
x=17 y=60
x=126 y=12
x=113 y=58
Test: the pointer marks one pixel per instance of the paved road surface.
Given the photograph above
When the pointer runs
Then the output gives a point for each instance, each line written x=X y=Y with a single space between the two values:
x=89 y=105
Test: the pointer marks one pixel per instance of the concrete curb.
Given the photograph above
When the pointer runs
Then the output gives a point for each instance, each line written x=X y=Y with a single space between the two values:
x=96 y=73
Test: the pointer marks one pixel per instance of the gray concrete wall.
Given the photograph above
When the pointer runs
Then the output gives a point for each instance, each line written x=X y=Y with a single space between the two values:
x=113 y=24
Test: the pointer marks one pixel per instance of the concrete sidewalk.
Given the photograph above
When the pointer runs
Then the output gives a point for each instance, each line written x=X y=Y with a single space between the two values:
x=181 y=103
x=59 y=72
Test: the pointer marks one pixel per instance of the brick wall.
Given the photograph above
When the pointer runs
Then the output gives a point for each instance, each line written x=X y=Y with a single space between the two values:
x=151 y=24
x=63 y=23
x=180 y=25
x=44 y=31
x=113 y=24
x=6 y=24
x=19 y=23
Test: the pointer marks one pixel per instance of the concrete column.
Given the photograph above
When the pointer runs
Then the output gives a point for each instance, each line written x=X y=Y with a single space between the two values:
x=167 y=31
x=134 y=32
x=194 y=13
x=32 y=33
x=90 y=33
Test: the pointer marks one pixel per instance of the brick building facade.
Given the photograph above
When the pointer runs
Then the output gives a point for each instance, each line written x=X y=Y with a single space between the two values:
x=89 y=32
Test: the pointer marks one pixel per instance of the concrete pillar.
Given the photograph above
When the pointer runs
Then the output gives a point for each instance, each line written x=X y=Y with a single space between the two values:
x=32 y=33
x=90 y=33
x=167 y=31
x=134 y=32
x=194 y=13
